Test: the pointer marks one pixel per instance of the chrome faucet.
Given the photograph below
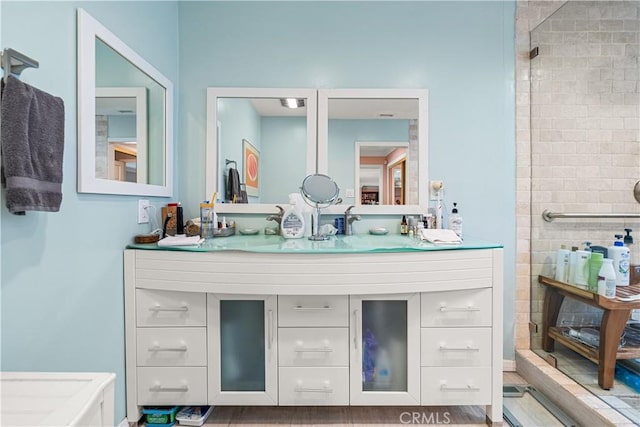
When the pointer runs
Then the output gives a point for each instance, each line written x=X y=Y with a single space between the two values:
x=277 y=217
x=348 y=220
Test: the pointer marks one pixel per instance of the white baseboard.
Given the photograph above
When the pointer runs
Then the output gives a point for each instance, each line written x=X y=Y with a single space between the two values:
x=124 y=423
x=507 y=366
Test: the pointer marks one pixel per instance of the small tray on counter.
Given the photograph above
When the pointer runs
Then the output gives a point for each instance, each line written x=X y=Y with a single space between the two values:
x=224 y=232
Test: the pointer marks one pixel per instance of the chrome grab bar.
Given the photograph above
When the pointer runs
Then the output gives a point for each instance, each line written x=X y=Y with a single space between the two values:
x=550 y=216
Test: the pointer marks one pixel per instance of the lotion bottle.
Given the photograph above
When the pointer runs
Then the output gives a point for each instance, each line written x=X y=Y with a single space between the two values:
x=607 y=279
x=619 y=254
x=292 y=226
x=455 y=220
x=562 y=264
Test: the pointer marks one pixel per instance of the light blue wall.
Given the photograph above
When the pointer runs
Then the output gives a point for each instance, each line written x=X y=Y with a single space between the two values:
x=62 y=282
x=463 y=52
x=283 y=157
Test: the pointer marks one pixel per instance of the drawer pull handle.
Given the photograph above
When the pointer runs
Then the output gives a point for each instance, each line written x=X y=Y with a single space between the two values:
x=444 y=309
x=467 y=348
x=158 y=348
x=314 y=350
x=160 y=389
x=299 y=389
x=169 y=308
x=324 y=307
x=443 y=387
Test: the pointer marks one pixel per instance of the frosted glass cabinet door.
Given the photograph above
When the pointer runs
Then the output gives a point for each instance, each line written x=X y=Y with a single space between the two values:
x=242 y=349
x=385 y=350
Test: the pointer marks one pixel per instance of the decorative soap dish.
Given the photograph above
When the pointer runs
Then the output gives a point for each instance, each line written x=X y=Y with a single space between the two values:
x=378 y=231
x=249 y=231
x=224 y=232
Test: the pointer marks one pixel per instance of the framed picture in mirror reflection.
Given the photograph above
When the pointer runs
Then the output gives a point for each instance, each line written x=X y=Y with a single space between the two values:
x=251 y=163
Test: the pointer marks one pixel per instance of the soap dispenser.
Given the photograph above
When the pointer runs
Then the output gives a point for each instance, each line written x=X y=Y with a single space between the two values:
x=292 y=226
x=455 y=220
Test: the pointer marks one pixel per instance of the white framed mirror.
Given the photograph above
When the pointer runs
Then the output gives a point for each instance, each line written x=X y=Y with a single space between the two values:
x=125 y=117
x=271 y=146
x=373 y=142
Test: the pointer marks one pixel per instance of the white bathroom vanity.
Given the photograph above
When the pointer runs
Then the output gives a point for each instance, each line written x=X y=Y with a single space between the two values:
x=258 y=320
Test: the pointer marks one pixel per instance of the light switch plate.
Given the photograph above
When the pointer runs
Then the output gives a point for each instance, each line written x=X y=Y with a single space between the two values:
x=143 y=211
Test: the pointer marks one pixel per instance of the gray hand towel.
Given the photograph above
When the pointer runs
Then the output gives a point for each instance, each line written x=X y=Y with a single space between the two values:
x=233 y=185
x=32 y=143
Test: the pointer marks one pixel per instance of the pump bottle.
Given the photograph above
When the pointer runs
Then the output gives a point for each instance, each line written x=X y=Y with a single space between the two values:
x=455 y=220
x=619 y=254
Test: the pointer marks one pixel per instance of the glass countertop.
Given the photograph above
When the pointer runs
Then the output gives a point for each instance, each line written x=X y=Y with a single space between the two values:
x=360 y=243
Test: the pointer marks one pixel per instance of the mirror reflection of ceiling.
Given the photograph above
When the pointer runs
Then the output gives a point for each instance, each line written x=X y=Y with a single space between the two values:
x=271 y=107
x=346 y=108
x=367 y=108
x=115 y=106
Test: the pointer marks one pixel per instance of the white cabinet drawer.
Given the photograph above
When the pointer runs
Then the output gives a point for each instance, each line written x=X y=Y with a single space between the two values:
x=168 y=308
x=456 y=386
x=313 y=310
x=172 y=386
x=469 y=307
x=313 y=346
x=314 y=386
x=171 y=347
x=455 y=347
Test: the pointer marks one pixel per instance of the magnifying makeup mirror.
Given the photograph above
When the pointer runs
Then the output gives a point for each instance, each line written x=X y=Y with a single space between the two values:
x=322 y=191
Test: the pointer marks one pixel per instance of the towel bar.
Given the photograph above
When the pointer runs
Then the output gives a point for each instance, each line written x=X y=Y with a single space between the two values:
x=14 y=62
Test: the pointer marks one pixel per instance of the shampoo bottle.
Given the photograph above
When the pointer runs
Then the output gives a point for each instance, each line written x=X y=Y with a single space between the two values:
x=292 y=226
x=455 y=221
x=582 y=268
x=562 y=264
x=619 y=254
x=595 y=264
x=573 y=260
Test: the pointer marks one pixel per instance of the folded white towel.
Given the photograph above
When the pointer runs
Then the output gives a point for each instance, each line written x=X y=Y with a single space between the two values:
x=180 y=240
x=440 y=236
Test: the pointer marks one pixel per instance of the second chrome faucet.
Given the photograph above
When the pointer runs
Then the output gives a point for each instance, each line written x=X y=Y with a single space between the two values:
x=348 y=220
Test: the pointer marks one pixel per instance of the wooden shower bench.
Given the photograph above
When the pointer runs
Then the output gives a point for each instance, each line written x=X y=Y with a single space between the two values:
x=615 y=315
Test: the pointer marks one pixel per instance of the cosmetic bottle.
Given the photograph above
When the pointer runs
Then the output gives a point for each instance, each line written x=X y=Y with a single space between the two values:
x=619 y=254
x=573 y=260
x=607 y=279
x=562 y=264
x=582 y=268
x=455 y=220
x=179 y=220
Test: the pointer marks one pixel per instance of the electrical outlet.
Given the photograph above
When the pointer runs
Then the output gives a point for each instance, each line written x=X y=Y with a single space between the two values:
x=436 y=187
x=350 y=192
x=143 y=211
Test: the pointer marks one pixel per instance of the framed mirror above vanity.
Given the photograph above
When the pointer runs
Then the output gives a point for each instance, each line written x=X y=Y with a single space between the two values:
x=125 y=117
x=372 y=142
x=268 y=136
